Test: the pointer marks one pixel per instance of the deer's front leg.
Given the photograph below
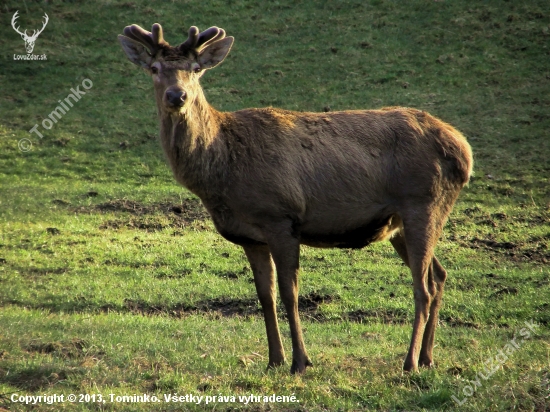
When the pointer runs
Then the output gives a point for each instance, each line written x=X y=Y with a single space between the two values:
x=285 y=250
x=264 y=278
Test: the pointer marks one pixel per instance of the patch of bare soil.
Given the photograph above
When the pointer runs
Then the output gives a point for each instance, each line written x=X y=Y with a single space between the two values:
x=36 y=377
x=389 y=316
x=504 y=291
x=519 y=252
x=148 y=217
x=230 y=307
x=482 y=217
x=234 y=275
x=225 y=307
x=149 y=224
x=308 y=305
x=179 y=275
x=455 y=322
x=221 y=306
x=312 y=301
x=75 y=348
x=37 y=272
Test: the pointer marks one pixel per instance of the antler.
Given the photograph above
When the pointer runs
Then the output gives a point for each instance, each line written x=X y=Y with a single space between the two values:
x=199 y=40
x=153 y=41
x=15 y=17
x=36 y=33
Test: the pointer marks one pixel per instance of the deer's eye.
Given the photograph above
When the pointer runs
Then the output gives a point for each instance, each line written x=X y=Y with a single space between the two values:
x=197 y=69
x=154 y=70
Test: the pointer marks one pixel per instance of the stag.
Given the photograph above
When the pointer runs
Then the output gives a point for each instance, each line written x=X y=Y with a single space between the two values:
x=29 y=40
x=274 y=179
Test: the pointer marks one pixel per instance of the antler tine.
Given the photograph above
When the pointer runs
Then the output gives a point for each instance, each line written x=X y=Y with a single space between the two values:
x=158 y=37
x=46 y=20
x=199 y=40
x=144 y=37
x=192 y=39
x=13 y=19
x=209 y=36
x=151 y=40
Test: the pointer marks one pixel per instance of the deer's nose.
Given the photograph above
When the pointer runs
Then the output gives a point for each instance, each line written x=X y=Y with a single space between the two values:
x=175 y=97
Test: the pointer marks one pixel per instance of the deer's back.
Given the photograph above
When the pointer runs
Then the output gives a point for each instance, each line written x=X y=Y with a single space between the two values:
x=370 y=149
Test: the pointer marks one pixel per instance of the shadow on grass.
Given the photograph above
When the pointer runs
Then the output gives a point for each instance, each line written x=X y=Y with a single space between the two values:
x=310 y=307
x=218 y=307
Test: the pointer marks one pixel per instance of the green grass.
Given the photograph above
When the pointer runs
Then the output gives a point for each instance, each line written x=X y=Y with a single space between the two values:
x=104 y=289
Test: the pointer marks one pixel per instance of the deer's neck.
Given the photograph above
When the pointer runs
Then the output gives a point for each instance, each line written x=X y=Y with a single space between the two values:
x=193 y=143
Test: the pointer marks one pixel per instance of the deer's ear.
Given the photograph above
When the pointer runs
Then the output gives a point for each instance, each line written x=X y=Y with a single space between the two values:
x=215 y=53
x=135 y=51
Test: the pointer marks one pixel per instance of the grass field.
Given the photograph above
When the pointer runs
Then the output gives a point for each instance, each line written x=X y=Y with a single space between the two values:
x=114 y=281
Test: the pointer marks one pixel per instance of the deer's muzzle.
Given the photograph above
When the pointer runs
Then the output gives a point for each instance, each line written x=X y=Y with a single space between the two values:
x=174 y=97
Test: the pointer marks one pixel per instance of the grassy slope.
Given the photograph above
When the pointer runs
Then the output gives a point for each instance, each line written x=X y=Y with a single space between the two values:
x=73 y=300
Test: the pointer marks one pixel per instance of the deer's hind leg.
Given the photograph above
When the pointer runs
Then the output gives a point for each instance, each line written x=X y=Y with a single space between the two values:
x=436 y=279
x=416 y=251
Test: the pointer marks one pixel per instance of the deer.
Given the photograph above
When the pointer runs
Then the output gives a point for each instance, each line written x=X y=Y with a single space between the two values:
x=29 y=40
x=274 y=179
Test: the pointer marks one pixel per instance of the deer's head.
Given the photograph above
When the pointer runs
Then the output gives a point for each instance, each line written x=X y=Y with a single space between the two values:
x=29 y=40
x=175 y=70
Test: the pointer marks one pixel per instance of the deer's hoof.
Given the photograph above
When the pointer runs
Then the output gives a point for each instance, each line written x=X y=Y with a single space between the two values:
x=300 y=367
x=410 y=367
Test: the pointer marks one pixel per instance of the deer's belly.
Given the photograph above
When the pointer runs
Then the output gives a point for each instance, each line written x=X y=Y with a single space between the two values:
x=353 y=238
x=240 y=238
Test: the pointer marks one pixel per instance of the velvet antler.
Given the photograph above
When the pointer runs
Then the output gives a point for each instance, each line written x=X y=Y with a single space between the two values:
x=153 y=41
x=197 y=41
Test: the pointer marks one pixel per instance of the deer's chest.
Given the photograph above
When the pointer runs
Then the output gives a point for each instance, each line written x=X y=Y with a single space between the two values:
x=234 y=229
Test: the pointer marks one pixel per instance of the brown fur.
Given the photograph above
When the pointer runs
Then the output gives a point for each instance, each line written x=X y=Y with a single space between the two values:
x=274 y=179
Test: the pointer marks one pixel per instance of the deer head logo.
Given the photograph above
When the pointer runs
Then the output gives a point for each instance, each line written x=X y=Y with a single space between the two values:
x=29 y=40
